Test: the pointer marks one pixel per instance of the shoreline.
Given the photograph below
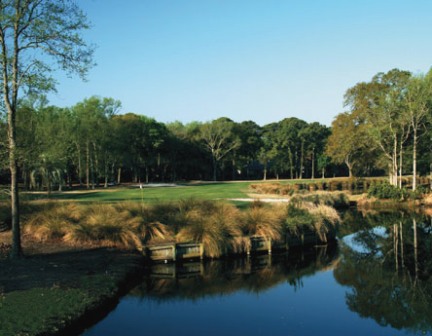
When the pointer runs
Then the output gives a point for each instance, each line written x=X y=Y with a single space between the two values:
x=64 y=293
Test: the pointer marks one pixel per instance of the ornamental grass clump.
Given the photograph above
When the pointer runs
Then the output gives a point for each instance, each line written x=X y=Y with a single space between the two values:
x=320 y=218
x=263 y=220
x=147 y=220
x=326 y=219
x=104 y=225
x=52 y=222
x=211 y=223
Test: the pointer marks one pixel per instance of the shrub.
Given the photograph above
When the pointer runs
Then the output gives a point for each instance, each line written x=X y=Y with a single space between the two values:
x=385 y=190
x=418 y=193
x=333 y=199
x=320 y=218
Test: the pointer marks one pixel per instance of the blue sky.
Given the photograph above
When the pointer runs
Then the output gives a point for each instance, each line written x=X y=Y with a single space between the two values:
x=260 y=60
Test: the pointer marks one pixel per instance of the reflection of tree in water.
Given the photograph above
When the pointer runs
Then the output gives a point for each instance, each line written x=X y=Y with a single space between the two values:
x=223 y=277
x=390 y=275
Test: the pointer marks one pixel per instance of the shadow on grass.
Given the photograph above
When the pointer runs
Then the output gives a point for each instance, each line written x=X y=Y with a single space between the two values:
x=63 y=293
x=60 y=269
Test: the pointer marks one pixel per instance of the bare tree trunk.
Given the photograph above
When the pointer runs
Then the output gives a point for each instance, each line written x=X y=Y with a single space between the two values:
x=16 y=251
x=416 y=268
x=349 y=165
x=79 y=165
x=214 y=169
x=15 y=213
x=119 y=175
x=88 y=165
x=394 y=172
x=400 y=164
x=301 y=160
x=313 y=163
x=92 y=173
x=401 y=245
x=414 y=182
x=290 y=157
x=395 y=245
x=105 y=170
x=95 y=166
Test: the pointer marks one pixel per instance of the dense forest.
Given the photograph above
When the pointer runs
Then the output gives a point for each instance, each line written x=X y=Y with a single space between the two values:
x=385 y=130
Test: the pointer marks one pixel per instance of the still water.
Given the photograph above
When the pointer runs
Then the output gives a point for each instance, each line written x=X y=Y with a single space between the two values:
x=375 y=281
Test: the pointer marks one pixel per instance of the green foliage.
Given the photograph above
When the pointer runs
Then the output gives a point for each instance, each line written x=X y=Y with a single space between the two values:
x=320 y=218
x=334 y=199
x=385 y=190
x=298 y=217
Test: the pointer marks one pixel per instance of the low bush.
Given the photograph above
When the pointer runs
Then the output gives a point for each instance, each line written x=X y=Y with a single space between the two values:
x=385 y=190
x=319 y=218
x=333 y=199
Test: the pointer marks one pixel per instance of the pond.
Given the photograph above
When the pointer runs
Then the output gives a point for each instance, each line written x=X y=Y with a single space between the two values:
x=375 y=281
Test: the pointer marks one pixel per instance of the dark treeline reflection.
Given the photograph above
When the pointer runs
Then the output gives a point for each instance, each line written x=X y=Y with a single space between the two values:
x=387 y=263
x=165 y=282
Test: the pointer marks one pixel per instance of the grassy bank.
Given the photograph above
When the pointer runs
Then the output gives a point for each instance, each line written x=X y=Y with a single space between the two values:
x=43 y=294
x=218 y=225
x=64 y=280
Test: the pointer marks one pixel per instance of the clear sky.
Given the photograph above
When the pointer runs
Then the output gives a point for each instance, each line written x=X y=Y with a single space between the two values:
x=260 y=60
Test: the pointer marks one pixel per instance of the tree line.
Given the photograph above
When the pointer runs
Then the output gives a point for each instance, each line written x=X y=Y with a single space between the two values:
x=90 y=144
x=386 y=130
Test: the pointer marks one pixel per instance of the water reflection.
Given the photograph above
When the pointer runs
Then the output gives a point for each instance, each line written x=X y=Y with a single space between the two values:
x=387 y=264
x=376 y=280
x=256 y=274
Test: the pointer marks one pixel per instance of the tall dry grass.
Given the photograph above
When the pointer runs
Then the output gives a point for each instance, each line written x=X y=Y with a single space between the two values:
x=51 y=222
x=122 y=225
x=214 y=224
x=263 y=220
x=104 y=225
x=219 y=226
x=147 y=220
x=320 y=218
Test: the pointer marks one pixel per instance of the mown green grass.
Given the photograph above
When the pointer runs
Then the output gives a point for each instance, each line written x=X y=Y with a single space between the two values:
x=209 y=191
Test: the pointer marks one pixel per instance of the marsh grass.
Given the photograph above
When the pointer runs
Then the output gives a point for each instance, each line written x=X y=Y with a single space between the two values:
x=51 y=222
x=77 y=224
x=147 y=220
x=319 y=218
x=220 y=226
x=263 y=220
x=214 y=224
x=104 y=225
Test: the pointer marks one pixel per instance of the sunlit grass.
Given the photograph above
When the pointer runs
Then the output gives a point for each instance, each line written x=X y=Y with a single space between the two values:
x=263 y=220
x=213 y=224
x=219 y=225
x=211 y=191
